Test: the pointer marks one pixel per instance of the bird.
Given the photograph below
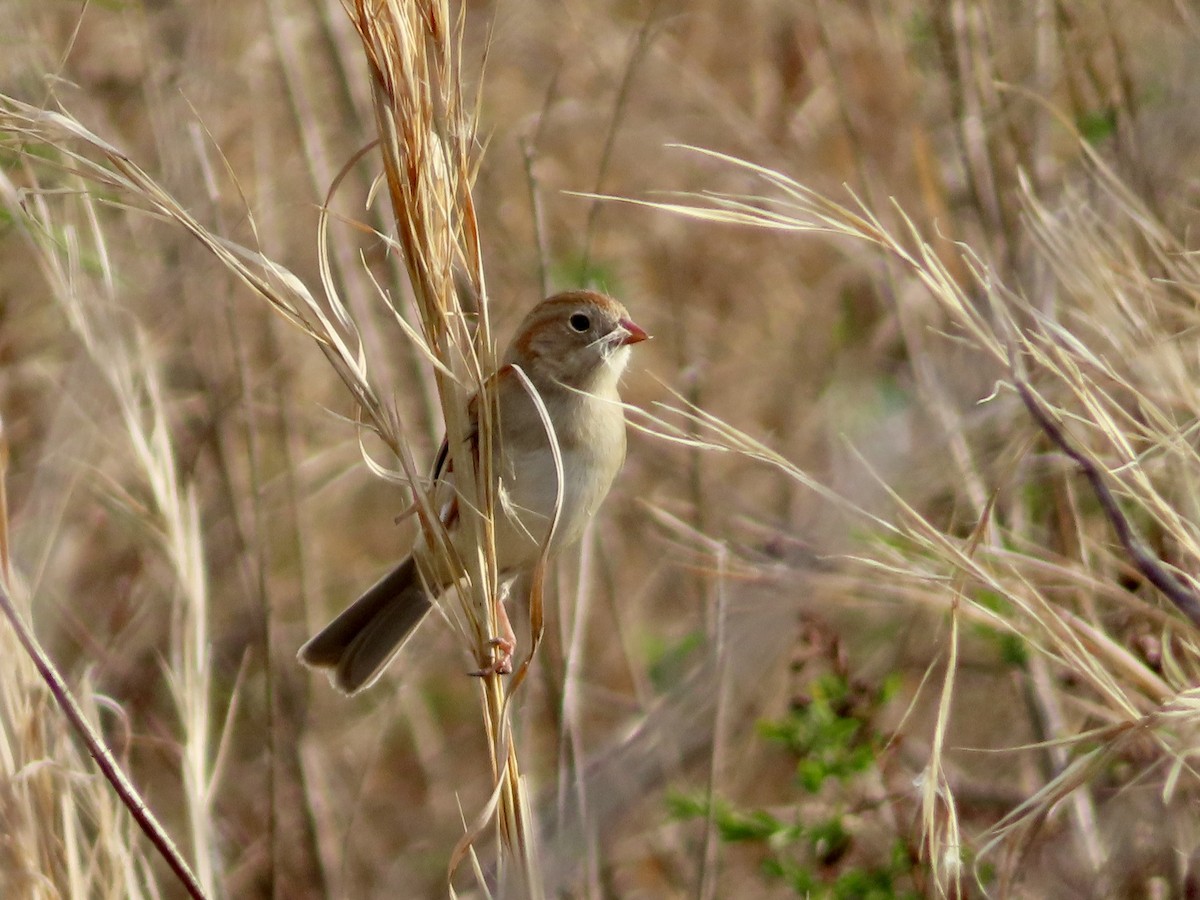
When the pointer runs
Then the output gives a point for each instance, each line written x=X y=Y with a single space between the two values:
x=572 y=348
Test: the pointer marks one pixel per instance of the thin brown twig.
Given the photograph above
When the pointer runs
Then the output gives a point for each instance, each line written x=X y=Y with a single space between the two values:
x=640 y=46
x=528 y=152
x=1150 y=566
x=108 y=765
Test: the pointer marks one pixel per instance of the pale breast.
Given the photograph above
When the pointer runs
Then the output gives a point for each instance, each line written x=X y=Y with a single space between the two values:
x=591 y=441
x=592 y=449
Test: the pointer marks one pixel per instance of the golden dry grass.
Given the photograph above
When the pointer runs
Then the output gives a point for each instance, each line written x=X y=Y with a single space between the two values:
x=833 y=470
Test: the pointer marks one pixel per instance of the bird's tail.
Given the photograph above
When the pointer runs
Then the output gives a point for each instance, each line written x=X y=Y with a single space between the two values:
x=357 y=645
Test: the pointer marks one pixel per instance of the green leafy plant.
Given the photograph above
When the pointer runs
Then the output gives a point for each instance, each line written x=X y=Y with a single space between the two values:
x=809 y=847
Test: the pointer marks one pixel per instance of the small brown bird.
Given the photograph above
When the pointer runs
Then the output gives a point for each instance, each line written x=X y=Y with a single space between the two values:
x=573 y=348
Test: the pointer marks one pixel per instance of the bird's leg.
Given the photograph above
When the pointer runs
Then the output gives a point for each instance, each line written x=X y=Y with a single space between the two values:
x=503 y=644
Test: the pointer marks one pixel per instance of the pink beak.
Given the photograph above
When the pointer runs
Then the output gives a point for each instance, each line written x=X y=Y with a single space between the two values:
x=635 y=335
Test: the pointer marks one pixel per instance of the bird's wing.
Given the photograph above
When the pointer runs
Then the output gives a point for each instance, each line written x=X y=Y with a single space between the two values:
x=443 y=464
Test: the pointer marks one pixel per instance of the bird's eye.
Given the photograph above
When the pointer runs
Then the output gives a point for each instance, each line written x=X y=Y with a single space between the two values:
x=579 y=322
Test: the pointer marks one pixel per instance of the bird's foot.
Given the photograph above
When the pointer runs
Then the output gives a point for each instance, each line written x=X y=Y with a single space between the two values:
x=502 y=654
x=502 y=646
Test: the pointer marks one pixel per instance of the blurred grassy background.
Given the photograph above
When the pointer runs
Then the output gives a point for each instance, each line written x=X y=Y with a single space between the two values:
x=716 y=591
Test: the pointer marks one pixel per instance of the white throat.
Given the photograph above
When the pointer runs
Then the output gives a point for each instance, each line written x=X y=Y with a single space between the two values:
x=615 y=361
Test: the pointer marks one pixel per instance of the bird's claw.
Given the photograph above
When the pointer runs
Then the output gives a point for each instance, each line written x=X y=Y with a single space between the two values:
x=501 y=663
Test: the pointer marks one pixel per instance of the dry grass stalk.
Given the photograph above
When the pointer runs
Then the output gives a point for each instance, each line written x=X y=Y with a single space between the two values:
x=930 y=102
x=119 y=868
x=1081 y=360
x=427 y=140
x=172 y=514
